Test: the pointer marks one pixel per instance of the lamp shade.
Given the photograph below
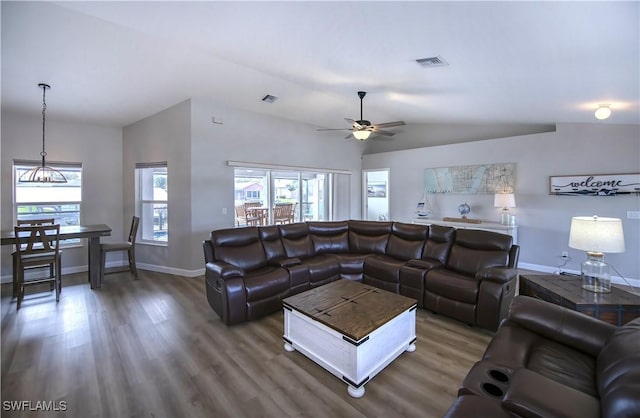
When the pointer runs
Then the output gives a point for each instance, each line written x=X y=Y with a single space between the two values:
x=504 y=200
x=591 y=233
x=361 y=135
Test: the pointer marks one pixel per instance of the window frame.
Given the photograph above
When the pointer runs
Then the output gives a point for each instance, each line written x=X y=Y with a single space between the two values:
x=141 y=202
x=19 y=166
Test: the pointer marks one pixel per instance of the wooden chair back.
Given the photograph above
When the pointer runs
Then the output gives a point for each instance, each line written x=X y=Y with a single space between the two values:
x=37 y=243
x=133 y=232
x=28 y=222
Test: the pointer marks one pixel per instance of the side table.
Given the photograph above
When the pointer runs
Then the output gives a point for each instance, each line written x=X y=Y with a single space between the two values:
x=617 y=307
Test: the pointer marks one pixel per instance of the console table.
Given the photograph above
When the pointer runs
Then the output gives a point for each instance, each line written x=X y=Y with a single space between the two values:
x=484 y=226
x=617 y=307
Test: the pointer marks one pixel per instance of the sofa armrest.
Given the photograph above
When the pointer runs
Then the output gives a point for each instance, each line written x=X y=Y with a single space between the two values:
x=561 y=324
x=533 y=395
x=497 y=274
x=224 y=270
x=285 y=261
x=424 y=264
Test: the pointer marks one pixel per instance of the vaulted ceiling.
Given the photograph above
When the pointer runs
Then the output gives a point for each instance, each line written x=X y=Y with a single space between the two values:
x=513 y=63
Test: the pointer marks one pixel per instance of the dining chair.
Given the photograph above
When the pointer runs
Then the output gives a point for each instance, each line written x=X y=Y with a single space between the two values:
x=282 y=213
x=242 y=218
x=129 y=246
x=254 y=213
x=37 y=246
x=14 y=255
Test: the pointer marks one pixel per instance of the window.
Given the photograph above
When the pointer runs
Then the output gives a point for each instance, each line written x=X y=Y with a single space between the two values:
x=152 y=202
x=60 y=201
x=309 y=193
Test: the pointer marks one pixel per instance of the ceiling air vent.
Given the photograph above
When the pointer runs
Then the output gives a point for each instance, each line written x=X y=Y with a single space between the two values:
x=432 y=62
x=269 y=98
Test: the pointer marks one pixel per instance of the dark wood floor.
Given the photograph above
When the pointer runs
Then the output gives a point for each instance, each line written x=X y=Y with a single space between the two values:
x=154 y=348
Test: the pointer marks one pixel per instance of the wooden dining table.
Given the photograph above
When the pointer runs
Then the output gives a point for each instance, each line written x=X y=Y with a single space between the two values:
x=91 y=232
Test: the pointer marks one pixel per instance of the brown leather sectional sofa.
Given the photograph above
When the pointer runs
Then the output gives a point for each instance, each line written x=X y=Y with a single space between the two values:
x=465 y=274
x=549 y=361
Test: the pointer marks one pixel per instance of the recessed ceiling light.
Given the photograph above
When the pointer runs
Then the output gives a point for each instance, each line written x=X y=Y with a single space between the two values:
x=432 y=62
x=269 y=98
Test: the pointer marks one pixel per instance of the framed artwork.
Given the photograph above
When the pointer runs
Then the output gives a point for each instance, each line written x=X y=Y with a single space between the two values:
x=595 y=184
x=471 y=179
x=378 y=189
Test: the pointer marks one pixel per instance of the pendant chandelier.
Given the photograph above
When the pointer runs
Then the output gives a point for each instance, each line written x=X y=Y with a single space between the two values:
x=43 y=173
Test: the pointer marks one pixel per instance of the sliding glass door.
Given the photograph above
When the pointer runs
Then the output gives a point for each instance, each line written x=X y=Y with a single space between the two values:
x=264 y=196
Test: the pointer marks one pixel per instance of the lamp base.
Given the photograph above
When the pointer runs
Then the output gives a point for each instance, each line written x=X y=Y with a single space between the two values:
x=596 y=276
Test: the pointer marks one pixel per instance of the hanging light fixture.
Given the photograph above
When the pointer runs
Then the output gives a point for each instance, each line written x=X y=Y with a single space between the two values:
x=43 y=173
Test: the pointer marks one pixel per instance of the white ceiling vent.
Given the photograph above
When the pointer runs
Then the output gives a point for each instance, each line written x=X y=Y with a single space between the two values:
x=269 y=98
x=432 y=62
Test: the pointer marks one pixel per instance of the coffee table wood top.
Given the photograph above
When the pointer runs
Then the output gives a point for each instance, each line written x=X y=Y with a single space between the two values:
x=351 y=308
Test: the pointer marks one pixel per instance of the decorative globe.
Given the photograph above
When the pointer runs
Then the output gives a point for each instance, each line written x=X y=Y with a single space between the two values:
x=464 y=209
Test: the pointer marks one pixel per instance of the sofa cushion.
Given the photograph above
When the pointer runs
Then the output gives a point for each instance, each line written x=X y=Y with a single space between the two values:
x=266 y=282
x=452 y=285
x=406 y=241
x=475 y=250
x=270 y=237
x=366 y=237
x=439 y=242
x=618 y=371
x=533 y=395
x=240 y=247
x=296 y=240
x=329 y=237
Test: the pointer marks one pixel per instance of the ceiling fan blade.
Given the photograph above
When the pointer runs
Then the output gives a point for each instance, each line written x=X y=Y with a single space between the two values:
x=350 y=136
x=389 y=124
x=353 y=123
x=334 y=129
x=385 y=133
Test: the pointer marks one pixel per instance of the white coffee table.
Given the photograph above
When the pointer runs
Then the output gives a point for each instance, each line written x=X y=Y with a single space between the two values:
x=350 y=329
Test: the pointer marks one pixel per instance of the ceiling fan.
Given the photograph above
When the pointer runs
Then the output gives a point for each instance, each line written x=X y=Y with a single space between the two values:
x=362 y=129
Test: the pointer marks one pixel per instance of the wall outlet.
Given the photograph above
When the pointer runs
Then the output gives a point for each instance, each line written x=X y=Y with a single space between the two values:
x=565 y=254
x=633 y=214
x=224 y=211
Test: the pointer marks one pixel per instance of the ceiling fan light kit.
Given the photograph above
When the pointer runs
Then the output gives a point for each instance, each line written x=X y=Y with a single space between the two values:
x=362 y=129
x=361 y=135
x=603 y=112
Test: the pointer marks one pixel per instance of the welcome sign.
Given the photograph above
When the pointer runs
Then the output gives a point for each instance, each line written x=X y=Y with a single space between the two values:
x=595 y=184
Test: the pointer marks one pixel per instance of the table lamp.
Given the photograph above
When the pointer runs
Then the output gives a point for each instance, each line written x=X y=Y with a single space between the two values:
x=504 y=201
x=596 y=236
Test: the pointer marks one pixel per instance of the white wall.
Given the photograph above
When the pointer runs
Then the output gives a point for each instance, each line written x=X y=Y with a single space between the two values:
x=543 y=219
x=98 y=148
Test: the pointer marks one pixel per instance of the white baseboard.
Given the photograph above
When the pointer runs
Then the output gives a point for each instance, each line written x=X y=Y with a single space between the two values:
x=41 y=273
x=200 y=272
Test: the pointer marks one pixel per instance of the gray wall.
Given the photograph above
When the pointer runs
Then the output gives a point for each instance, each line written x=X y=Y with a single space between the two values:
x=164 y=136
x=99 y=148
x=543 y=219
x=201 y=182
x=251 y=137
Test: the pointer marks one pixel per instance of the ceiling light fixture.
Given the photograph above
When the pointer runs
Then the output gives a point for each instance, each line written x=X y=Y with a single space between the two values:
x=43 y=173
x=603 y=111
x=361 y=135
